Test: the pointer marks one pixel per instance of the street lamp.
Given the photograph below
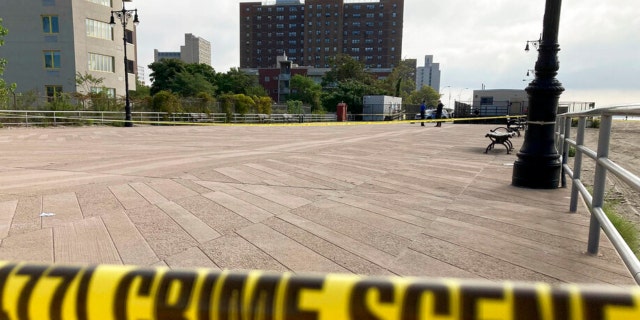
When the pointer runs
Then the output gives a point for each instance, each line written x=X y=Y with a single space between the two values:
x=535 y=43
x=449 y=87
x=460 y=94
x=538 y=165
x=124 y=16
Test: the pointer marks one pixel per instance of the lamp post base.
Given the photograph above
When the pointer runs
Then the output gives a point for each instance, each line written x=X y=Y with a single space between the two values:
x=536 y=172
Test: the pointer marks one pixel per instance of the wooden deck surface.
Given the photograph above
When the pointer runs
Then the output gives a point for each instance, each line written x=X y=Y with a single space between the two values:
x=392 y=199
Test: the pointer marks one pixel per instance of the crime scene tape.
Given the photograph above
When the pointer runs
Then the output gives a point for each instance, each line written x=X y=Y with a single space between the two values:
x=268 y=124
x=34 y=291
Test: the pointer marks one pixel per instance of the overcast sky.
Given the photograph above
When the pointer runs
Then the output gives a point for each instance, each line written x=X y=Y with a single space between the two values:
x=476 y=42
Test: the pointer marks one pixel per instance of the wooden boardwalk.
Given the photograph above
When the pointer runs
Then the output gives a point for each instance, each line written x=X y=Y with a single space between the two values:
x=392 y=199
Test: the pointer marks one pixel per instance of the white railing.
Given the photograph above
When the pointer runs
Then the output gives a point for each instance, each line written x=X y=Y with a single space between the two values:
x=604 y=165
x=57 y=118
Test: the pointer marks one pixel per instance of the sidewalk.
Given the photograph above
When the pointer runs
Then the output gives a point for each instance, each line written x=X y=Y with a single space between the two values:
x=392 y=199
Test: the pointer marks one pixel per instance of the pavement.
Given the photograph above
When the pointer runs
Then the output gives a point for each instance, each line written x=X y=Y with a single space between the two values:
x=373 y=199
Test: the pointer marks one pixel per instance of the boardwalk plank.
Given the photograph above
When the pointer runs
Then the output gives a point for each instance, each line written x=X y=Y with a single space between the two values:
x=84 y=241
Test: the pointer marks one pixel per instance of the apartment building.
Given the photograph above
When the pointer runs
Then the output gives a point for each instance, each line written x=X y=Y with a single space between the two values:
x=50 y=41
x=429 y=74
x=311 y=32
x=194 y=50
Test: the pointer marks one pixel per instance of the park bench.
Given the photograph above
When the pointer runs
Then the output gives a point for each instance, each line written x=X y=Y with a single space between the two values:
x=501 y=136
x=264 y=118
x=516 y=125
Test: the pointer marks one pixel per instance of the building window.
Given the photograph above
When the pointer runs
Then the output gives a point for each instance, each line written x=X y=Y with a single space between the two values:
x=51 y=59
x=99 y=29
x=486 y=100
x=98 y=62
x=130 y=66
x=109 y=92
x=129 y=36
x=53 y=92
x=102 y=2
x=50 y=24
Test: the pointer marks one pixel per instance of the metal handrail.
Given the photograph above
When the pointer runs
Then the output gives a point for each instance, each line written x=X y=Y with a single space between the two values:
x=40 y=117
x=604 y=165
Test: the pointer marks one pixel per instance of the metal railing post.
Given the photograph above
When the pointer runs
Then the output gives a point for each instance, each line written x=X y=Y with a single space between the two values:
x=577 y=164
x=565 y=148
x=599 y=183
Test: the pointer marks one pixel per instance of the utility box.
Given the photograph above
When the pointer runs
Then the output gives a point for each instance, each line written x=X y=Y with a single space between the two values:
x=341 y=112
x=379 y=108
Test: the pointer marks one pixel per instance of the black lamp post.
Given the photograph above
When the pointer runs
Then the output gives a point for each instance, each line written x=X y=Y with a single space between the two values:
x=124 y=16
x=538 y=164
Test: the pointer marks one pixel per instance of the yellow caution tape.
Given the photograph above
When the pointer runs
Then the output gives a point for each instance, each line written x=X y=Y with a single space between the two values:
x=32 y=291
x=276 y=124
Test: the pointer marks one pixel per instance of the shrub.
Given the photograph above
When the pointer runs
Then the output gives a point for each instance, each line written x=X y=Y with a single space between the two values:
x=165 y=101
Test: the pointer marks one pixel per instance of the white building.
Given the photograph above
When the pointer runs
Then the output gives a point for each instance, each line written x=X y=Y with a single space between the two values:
x=500 y=102
x=50 y=41
x=194 y=50
x=429 y=75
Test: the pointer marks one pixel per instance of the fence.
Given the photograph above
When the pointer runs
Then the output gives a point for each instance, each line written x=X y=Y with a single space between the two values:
x=595 y=202
x=59 y=118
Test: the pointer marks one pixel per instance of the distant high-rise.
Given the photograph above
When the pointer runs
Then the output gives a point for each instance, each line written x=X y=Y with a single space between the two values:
x=195 y=50
x=429 y=75
x=312 y=32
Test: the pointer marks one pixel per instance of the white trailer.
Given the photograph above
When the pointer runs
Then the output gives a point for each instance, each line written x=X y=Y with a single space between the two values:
x=379 y=108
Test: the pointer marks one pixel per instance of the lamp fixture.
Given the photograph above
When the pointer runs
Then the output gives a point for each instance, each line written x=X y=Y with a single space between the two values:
x=535 y=43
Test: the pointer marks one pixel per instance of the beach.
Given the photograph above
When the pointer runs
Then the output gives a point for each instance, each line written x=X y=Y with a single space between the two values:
x=624 y=150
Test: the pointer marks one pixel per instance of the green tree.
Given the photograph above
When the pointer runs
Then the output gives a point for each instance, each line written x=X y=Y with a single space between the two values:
x=5 y=89
x=203 y=69
x=226 y=104
x=263 y=104
x=343 y=68
x=427 y=94
x=401 y=82
x=294 y=106
x=189 y=85
x=164 y=75
x=204 y=102
x=166 y=101
x=85 y=88
x=235 y=81
x=306 y=90
x=142 y=91
x=350 y=92
x=243 y=104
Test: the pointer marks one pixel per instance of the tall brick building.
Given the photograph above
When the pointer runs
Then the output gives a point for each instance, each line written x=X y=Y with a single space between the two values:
x=311 y=32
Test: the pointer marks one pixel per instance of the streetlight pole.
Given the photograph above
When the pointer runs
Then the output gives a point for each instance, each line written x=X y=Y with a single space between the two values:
x=538 y=165
x=460 y=94
x=124 y=16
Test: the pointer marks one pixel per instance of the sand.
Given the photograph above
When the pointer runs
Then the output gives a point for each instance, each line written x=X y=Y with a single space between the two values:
x=625 y=151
